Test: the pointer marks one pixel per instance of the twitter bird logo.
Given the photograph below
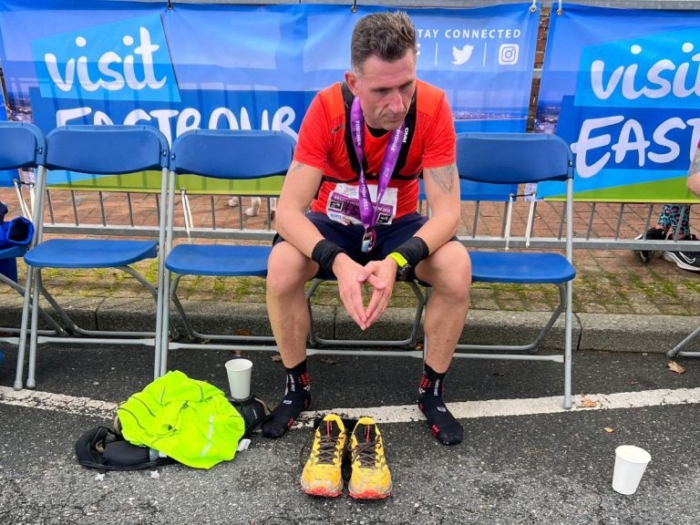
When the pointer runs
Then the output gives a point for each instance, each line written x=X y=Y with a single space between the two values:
x=461 y=56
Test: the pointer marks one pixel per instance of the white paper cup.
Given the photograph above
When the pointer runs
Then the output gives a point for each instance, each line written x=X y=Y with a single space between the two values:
x=239 y=372
x=630 y=464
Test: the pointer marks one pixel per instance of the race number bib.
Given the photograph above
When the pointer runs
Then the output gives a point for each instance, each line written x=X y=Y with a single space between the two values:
x=344 y=204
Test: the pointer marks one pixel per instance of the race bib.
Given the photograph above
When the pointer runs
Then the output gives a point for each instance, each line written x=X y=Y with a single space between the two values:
x=344 y=204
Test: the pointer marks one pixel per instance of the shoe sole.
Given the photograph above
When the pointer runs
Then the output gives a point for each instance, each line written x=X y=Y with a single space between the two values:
x=370 y=494
x=322 y=492
x=680 y=263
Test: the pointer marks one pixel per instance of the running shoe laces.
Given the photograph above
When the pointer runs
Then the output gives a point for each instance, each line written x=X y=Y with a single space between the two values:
x=370 y=478
x=322 y=472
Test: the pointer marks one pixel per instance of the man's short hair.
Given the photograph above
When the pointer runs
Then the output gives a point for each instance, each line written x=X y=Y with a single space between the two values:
x=388 y=36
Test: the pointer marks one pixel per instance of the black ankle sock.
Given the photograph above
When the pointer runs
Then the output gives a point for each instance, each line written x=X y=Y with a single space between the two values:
x=442 y=423
x=296 y=398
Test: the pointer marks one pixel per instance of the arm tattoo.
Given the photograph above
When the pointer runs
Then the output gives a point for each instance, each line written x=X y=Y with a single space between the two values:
x=444 y=177
x=295 y=167
x=695 y=165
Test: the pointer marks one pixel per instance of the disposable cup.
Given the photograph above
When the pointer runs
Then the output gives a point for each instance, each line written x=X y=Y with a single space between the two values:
x=239 y=372
x=630 y=464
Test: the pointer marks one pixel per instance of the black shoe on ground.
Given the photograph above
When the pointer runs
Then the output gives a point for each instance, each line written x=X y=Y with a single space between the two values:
x=654 y=234
x=685 y=260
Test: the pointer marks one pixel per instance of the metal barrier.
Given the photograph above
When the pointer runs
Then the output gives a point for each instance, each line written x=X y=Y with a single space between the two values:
x=598 y=226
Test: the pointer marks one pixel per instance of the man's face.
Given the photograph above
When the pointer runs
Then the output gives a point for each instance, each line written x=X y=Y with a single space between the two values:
x=385 y=89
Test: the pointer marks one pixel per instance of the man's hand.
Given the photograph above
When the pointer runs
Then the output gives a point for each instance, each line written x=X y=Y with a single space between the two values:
x=380 y=275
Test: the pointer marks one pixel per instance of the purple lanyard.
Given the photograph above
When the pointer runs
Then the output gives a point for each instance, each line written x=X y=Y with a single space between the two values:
x=369 y=213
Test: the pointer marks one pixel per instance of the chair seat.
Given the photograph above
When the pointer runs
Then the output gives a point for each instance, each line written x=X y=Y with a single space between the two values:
x=89 y=253
x=517 y=267
x=219 y=260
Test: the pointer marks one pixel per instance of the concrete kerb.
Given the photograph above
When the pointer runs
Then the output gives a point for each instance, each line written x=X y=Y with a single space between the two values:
x=599 y=332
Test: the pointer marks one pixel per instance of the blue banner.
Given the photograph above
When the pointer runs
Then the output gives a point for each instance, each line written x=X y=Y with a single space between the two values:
x=6 y=177
x=241 y=66
x=629 y=105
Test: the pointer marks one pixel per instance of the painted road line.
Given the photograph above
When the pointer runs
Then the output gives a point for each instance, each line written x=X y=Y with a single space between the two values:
x=83 y=406
x=395 y=414
x=522 y=407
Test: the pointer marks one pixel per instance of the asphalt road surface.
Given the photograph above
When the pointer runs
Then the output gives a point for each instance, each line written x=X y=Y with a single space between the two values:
x=524 y=459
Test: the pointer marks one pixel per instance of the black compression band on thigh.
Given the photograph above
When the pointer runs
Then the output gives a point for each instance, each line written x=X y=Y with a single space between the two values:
x=414 y=250
x=324 y=253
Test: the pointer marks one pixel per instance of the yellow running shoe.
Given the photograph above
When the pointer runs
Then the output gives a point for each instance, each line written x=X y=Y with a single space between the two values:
x=370 y=478
x=322 y=473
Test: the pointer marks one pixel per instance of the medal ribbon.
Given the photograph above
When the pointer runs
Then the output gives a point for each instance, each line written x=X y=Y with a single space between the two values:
x=369 y=213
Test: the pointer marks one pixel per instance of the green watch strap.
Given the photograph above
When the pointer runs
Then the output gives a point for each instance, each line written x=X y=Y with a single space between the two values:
x=403 y=266
x=400 y=259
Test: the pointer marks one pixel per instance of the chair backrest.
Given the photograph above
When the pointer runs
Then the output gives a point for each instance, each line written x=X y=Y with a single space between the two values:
x=232 y=154
x=22 y=145
x=513 y=158
x=106 y=150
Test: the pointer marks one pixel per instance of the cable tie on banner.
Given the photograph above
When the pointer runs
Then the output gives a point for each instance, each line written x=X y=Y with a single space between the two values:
x=354 y=6
x=170 y=4
x=560 y=9
x=533 y=7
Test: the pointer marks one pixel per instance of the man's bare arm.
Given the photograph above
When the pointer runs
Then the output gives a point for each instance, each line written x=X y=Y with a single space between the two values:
x=300 y=185
x=444 y=177
x=442 y=191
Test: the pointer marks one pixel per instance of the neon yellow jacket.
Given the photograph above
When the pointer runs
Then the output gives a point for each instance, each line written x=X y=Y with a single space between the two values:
x=188 y=420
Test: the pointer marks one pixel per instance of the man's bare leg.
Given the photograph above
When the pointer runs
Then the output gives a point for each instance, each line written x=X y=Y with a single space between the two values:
x=288 y=271
x=449 y=272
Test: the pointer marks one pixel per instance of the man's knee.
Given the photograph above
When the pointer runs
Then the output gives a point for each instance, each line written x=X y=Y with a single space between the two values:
x=456 y=283
x=288 y=268
x=449 y=271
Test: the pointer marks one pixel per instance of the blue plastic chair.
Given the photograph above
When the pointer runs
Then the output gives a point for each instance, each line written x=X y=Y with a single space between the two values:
x=98 y=150
x=513 y=159
x=22 y=146
x=221 y=154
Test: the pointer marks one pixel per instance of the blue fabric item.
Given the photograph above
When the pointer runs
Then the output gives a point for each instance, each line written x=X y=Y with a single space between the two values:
x=17 y=232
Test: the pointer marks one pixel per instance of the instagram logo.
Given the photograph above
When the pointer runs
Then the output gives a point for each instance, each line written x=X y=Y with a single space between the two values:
x=508 y=54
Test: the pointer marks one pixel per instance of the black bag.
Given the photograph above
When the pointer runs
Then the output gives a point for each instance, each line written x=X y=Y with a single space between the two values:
x=103 y=448
x=100 y=448
x=253 y=410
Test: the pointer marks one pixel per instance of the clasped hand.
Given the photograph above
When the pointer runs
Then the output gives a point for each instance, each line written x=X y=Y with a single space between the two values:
x=352 y=277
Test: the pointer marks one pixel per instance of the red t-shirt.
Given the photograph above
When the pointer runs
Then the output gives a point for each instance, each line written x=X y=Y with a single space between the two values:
x=321 y=144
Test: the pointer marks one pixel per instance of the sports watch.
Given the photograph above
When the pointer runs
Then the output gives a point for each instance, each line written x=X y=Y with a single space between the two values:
x=403 y=266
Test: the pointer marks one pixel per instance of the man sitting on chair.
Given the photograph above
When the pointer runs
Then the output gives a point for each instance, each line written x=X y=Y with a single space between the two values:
x=362 y=147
